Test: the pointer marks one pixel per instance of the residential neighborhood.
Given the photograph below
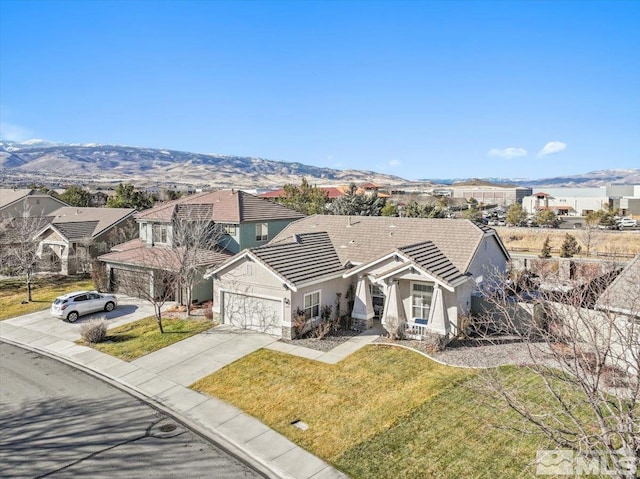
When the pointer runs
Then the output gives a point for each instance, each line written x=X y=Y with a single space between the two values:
x=319 y=240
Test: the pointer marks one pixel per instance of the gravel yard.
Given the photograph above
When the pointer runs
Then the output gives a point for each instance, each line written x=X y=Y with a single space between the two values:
x=325 y=344
x=478 y=353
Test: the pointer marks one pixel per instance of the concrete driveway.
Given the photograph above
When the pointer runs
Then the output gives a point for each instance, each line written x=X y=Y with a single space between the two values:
x=128 y=310
x=198 y=356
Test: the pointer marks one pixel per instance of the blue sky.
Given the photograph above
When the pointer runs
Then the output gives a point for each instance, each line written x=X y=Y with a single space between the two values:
x=420 y=89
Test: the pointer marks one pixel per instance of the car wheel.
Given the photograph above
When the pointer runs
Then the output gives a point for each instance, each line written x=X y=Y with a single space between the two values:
x=109 y=306
x=72 y=317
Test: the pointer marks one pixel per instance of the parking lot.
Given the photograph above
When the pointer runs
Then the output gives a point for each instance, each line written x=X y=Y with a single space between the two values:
x=128 y=310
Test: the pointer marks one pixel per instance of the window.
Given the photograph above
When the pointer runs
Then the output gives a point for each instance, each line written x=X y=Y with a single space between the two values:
x=312 y=305
x=421 y=295
x=230 y=229
x=82 y=297
x=159 y=234
x=262 y=232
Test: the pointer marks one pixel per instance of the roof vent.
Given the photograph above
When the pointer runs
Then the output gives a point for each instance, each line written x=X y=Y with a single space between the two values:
x=297 y=238
x=348 y=221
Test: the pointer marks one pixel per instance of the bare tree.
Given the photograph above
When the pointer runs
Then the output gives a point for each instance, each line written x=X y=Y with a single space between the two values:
x=195 y=240
x=19 y=247
x=157 y=283
x=582 y=344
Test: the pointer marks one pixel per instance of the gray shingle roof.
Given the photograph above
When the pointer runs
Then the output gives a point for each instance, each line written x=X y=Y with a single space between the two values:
x=77 y=230
x=361 y=239
x=428 y=257
x=303 y=258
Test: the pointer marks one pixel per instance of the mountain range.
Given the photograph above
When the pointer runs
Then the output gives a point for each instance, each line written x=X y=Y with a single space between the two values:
x=59 y=164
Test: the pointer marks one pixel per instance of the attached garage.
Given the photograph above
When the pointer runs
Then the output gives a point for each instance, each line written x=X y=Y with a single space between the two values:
x=252 y=312
x=124 y=281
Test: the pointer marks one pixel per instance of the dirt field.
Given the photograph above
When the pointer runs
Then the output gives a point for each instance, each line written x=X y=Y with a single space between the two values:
x=596 y=241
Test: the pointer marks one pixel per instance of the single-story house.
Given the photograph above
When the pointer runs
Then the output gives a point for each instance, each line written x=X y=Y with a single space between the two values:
x=17 y=203
x=419 y=272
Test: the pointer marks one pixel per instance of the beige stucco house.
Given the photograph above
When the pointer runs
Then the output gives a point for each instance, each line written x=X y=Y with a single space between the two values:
x=420 y=272
x=75 y=236
x=18 y=203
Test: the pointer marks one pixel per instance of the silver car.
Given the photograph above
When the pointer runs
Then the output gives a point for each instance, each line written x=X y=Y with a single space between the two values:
x=73 y=305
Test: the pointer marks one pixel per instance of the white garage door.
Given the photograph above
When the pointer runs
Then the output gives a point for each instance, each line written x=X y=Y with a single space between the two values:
x=250 y=312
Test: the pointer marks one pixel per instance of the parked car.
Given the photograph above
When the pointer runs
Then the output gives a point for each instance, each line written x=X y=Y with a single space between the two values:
x=73 y=305
x=627 y=223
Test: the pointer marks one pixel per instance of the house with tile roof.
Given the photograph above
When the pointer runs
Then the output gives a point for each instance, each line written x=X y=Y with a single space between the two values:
x=17 y=203
x=75 y=236
x=238 y=219
x=416 y=271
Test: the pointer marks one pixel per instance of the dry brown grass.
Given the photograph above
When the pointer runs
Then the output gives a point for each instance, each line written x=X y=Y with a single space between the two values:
x=532 y=239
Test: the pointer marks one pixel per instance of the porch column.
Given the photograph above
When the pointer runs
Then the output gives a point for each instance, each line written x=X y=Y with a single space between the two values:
x=362 y=305
x=438 y=317
x=393 y=317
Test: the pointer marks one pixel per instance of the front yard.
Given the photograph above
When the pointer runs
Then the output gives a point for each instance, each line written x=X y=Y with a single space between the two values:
x=134 y=340
x=43 y=291
x=382 y=412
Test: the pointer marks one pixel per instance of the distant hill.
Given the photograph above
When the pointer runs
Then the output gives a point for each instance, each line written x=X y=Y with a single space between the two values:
x=41 y=161
x=64 y=164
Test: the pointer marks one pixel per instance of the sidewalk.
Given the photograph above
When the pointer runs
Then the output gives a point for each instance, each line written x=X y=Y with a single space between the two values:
x=161 y=378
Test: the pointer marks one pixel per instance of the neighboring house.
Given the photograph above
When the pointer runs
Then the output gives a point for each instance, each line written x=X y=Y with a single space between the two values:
x=419 y=272
x=26 y=202
x=622 y=296
x=75 y=236
x=241 y=220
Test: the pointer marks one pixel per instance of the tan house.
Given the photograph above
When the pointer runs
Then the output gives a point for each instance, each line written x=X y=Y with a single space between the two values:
x=419 y=272
x=27 y=202
x=75 y=236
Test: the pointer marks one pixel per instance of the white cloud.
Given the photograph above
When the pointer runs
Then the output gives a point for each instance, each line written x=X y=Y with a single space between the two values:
x=508 y=153
x=552 y=147
x=11 y=132
x=394 y=163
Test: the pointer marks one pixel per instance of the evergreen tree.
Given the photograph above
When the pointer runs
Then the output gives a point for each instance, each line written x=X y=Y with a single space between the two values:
x=307 y=199
x=389 y=209
x=569 y=247
x=515 y=214
x=546 y=249
x=127 y=197
x=76 y=196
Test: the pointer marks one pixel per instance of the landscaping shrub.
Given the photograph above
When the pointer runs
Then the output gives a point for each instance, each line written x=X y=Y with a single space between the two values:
x=94 y=331
x=207 y=308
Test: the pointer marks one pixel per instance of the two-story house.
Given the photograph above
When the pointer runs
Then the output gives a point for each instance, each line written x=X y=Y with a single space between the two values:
x=238 y=220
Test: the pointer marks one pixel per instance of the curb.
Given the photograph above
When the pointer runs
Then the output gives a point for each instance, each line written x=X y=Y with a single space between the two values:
x=213 y=437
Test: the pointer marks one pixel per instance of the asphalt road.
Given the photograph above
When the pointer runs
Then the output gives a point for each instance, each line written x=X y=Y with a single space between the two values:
x=59 y=422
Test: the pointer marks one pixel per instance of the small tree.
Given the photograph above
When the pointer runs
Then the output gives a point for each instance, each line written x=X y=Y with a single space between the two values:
x=76 y=196
x=128 y=197
x=389 y=209
x=546 y=249
x=306 y=199
x=357 y=204
x=569 y=247
x=546 y=218
x=19 y=246
x=515 y=214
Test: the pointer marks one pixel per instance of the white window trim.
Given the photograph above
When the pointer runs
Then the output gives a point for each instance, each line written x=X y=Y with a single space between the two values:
x=311 y=293
x=161 y=226
x=262 y=237
x=413 y=318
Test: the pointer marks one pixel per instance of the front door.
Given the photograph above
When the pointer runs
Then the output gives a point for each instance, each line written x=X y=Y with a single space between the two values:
x=377 y=298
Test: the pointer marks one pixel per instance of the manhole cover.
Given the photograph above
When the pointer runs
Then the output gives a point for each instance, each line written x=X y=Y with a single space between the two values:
x=168 y=427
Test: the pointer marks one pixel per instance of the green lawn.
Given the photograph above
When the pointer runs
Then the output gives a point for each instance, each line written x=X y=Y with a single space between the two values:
x=43 y=292
x=383 y=412
x=141 y=337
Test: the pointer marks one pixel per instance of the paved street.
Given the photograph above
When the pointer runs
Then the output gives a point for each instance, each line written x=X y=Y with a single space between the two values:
x=57 y=421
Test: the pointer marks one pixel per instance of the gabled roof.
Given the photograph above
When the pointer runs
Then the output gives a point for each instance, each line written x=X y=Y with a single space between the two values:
x=623 y=294
x=361 y=239
x=79 y=223
x=9 y=196
x=223 y=206
x=428 y=257
x=304 y=258
x=424 y=257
